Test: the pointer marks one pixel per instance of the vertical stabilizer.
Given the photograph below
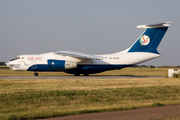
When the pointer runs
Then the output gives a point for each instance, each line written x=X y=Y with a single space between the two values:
x=150 y=39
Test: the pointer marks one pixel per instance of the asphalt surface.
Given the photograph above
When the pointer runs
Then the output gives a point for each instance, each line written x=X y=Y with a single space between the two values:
x=75 y=77
x=4 y=68
x=137 y=114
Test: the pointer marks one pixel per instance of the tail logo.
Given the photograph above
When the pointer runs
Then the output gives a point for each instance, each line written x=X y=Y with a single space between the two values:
x=144 y=40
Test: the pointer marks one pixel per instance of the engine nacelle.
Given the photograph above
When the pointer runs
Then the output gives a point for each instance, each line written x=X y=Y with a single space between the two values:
x=61 y=64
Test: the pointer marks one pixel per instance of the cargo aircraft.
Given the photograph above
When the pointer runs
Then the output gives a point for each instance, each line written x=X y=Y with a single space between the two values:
x=143 y=49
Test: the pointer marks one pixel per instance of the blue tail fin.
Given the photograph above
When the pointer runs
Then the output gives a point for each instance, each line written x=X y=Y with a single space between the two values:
x=150 y=38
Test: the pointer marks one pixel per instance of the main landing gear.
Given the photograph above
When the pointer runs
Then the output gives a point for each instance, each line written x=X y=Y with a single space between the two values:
x=78 y=74
x=86 y=74
x=36 y=74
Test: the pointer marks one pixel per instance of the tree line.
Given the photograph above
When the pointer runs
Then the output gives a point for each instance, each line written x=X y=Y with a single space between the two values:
x=2 y=64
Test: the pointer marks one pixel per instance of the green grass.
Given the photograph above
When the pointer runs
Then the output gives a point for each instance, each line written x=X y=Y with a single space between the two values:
x=124 y=71
x=31 y=99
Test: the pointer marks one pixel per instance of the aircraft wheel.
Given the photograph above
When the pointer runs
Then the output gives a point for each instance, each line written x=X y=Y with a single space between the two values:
x=76 y=74
x=35 y=74
x=86 y=74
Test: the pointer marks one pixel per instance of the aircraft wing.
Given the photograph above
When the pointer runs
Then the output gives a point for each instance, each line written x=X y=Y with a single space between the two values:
x=78 y=55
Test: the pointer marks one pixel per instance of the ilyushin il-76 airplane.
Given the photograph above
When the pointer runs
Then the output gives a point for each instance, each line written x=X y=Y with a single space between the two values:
x=143 y=49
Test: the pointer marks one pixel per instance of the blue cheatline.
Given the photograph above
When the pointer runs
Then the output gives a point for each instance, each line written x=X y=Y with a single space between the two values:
x=81 y=68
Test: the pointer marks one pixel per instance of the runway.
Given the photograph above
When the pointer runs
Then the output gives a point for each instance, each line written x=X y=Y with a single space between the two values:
x=76 y=77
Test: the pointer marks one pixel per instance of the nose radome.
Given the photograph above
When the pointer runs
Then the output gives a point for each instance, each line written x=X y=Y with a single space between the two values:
x=10 y=65
x=13 y=65
x=7 y=64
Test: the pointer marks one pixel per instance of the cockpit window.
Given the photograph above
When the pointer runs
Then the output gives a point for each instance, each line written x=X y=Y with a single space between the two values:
x=15 y=58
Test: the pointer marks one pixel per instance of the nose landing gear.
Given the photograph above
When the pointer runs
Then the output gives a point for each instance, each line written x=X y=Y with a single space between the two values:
x=36 y=74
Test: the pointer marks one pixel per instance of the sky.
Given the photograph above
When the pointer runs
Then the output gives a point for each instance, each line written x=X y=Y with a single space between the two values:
x=87 y=26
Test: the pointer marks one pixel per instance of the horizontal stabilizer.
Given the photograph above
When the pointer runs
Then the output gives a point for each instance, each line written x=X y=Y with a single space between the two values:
x=159 y=25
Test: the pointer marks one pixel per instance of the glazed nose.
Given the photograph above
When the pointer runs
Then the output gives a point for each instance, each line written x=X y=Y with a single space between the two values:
x=10 y=65
x=7 y=64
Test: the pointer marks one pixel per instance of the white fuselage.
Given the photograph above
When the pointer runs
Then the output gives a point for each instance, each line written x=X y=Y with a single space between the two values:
x=26 y=61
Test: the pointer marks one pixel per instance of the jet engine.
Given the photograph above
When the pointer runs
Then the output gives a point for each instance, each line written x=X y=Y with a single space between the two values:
x=61 y=64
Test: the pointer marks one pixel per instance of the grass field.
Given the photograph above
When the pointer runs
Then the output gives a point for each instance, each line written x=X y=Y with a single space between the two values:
x=43 y=98
x=30 y=99
x=125 y=71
